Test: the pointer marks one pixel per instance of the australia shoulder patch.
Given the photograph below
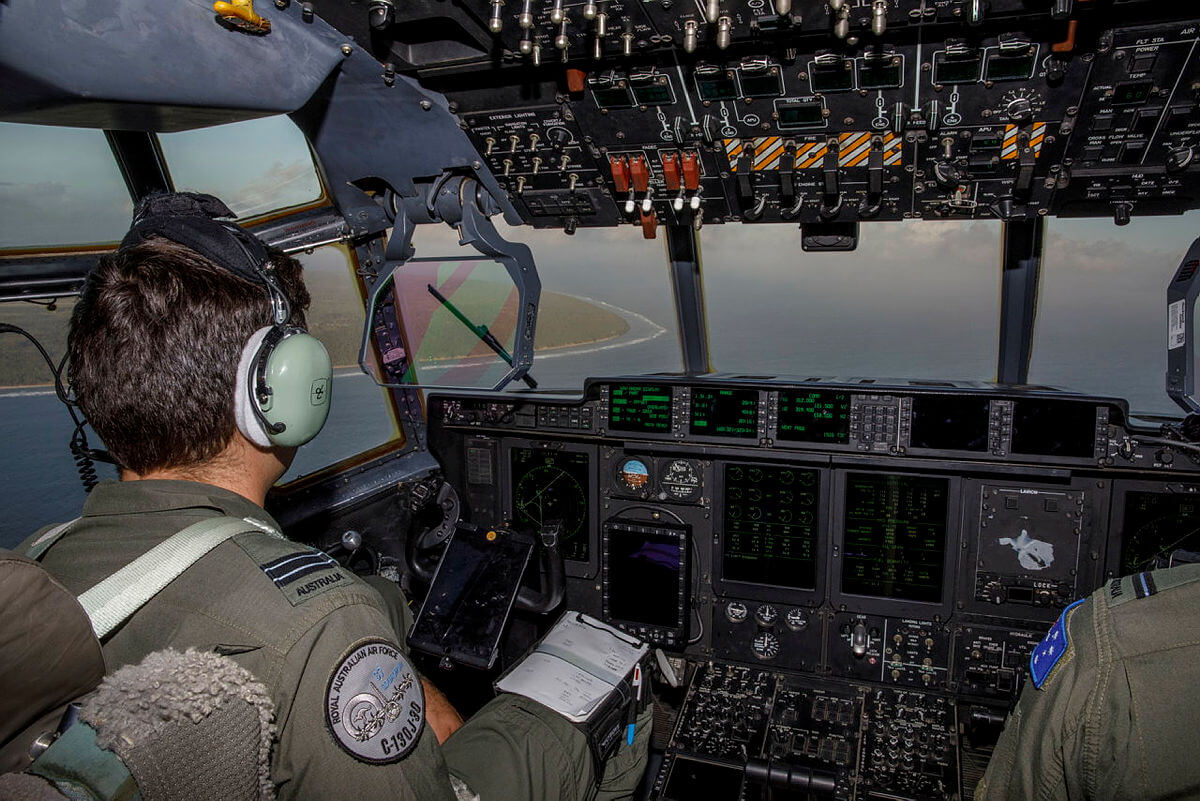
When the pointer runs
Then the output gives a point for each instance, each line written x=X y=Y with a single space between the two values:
x=374 y=704
x=299 y=572
x=1051 y=649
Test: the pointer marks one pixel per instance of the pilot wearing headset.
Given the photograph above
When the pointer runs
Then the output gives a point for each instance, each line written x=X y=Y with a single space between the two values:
x=189 y=357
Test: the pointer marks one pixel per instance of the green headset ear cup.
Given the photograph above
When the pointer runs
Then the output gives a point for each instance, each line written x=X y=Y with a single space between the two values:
x=300 y=376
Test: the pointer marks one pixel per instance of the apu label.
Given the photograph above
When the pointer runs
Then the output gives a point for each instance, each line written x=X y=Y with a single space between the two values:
x=1175 y=327
x=375 y=707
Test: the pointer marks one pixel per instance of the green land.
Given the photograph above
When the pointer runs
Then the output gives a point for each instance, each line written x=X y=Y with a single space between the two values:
x=336 y=318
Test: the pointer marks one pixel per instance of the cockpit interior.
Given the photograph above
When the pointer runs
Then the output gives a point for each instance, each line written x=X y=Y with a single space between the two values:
x=797 y=328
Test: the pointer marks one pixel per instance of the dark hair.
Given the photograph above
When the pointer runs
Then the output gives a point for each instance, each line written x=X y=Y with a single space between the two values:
x=154 y=345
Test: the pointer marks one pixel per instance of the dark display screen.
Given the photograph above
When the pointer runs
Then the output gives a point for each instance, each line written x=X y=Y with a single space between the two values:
x=800 y=114
x=612 y=97
x=879 y=73
x=766 y=85
x=1157 y=523
x=716 y=86
x=691 y=779
x=959 y=70
x=653 y=94
x=1054 y=428
x=644 y=575
x=771 y=524
x=725 y=413
x=551 y=488
x=1009 y=68
x=818 y=415
x=949 y=423
x=895 y=536
x=640 y=407
x=837 y=78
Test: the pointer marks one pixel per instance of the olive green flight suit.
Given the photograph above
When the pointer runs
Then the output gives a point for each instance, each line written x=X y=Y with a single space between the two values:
x=1118 y=715
x=294 y=637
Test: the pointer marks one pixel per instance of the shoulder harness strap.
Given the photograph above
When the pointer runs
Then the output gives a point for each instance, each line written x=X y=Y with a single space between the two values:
x=111 y=602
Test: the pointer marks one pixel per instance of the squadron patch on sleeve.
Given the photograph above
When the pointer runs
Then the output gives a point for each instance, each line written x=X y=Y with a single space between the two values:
x=374 y=705
x=1051 y=649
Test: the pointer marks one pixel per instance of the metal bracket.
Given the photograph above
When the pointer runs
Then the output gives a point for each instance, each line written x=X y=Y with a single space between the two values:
x=466 y=205
x=1181 y=348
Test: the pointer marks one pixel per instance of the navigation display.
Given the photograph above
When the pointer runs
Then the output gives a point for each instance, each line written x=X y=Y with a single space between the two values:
x=770 y=519
x=551 y=488
x=1054 y=428
x=725 y=413
x=895 y=536
x=1156 y=524
x=640 y=407
x=818 y=415
x=947 y=423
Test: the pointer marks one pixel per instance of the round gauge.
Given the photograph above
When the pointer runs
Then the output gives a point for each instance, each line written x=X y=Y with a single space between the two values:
x=797 y=619
x=681 y=480
x=736 y=611
x=633 y=475
x=549 y=493
x=766 y=614
x=765 y=645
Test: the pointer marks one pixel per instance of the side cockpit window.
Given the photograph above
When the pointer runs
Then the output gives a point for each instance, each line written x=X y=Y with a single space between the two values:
x=59 y=187
x=258 y=167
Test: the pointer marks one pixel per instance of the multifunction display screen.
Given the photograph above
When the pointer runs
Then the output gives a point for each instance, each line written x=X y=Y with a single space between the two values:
x=551 y=488
x=1054 y=428
x=1157 y=524
x=645 y=575
x=950 y=424
x=770 y=521
x=725 y=413
x=895 y=536
x=640 y=407
x=818 y=415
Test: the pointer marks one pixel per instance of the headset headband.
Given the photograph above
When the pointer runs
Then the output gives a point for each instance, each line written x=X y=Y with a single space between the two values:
x=204 y=224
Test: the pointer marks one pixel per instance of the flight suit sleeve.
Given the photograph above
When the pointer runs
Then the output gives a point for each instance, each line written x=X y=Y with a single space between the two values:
x=314 y=760
x=1039 y=756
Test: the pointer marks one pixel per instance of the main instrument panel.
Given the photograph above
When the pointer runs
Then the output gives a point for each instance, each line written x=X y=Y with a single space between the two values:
x=855 y=573
x=608 y=112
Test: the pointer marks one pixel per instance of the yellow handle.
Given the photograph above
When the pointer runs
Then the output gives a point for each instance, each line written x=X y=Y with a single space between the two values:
x=241 y=13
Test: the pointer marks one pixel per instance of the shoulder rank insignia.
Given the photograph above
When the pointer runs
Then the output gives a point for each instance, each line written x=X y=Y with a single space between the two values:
x=1051 y=649
x=374 y=705
x=301 y=573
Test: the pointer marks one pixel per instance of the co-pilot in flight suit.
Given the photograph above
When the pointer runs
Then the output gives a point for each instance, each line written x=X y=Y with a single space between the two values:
x=309 y=630
x=1113 y=707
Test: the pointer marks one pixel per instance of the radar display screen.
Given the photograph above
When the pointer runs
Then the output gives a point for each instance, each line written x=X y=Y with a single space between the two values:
x=770 y=518
x=646 y=577
x=551 y=487
x=947 y=423
x=725 y=413
x=818 y=415
x=640 y=407
x=895 y=536
x=1156 y=524
x=1054 y=428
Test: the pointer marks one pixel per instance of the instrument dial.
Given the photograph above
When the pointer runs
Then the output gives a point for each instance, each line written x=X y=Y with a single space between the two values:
x=736 y=611
x=765 y=645
x=681 y=481
x=766 y=615
x=797 y=619
x=633 y=475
